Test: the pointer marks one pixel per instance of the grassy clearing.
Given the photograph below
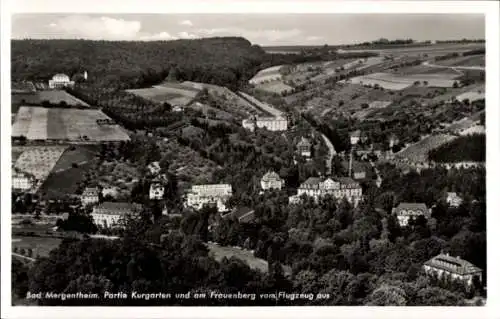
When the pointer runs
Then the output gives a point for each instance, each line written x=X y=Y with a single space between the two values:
x=65 y=182
x=40 y=245
x=75 y=154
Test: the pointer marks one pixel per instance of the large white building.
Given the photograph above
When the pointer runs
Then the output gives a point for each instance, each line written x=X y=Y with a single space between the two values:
x=340 y=188
x=271 y=180
x=22 y=181
x=406 y=211
x=455 y=268
x=59 y=81
x=111 y=214
x=210 y=194
x=90 y=196
x=269 y=123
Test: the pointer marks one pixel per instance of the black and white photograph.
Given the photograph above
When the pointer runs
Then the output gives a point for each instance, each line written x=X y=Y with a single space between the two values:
x=251 y=159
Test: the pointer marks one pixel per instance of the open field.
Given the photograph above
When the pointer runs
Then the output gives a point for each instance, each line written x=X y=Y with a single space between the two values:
x=471 y=60
x=75 y=155
x=219 y=252
x=53 y=96
x=207 y=110
x=418 y=152
x=269 y=74
x=397 y=82
x=39 y=160
x=429 y=50
x=39 y=245
x=72 y=125
x=276 y=87
x=471 y=96
x=63 y=182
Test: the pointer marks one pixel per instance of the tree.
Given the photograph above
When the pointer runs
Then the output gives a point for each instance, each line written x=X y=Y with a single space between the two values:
x=387 y=295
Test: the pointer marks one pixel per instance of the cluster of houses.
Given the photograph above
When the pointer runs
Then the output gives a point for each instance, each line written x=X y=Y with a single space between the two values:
x=61 y=80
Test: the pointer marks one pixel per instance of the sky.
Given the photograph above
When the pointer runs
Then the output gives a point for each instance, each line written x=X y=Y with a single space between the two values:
x=262 y=29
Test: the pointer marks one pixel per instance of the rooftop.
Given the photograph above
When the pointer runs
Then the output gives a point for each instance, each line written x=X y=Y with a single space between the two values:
x=119 y=207
x=90 y=191
x=271 y=175
x=304 y=142
x=411 y=206
x=453 y=264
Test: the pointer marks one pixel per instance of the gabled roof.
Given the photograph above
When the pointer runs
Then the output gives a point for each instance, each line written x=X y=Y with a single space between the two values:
x=412 y=207
x=304 y=142
x=119 y=207
x=271 y=175
x=90 y=191
x=242 y=214
x=356 y=133
x=347 y=180
x=453 y=264
x=312 y=181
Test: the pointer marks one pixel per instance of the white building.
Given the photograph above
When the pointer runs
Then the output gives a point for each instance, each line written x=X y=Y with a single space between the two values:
x=271 y=180
x=453 y=200
x=340 y=188
x=455 y=268
x=210 y=194
x=59 y=81
x=355 y=137
x=111 y=214
x=270 y=123
x=90 y=196
x=156 y=190
x=304 y=147
x=22 y=181
x=154 y=168
x=405 y=211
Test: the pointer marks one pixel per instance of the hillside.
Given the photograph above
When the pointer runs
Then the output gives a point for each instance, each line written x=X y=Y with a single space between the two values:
x=133 y=64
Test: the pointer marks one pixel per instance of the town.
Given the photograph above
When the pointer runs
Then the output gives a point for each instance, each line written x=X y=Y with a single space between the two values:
x=354 y=171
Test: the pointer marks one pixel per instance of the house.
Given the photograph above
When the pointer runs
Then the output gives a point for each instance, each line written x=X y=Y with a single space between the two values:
x=453 y=200
x=211 y=194
x=177 y=108
x=110 y=214
x=339 y=188
x=405 y=211
x=454 y=268
x=393 y=140
x=243 y=215
x=359 y=171
x=304 y=147
x=59 y=81
x=90 y=196
x=154 y=168
x=355 y=137
x=156 y=190
x=271 y=180
x=22 y=181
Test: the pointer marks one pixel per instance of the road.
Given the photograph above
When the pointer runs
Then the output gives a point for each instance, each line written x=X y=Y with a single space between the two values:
x=331 y=154
x=23 y=257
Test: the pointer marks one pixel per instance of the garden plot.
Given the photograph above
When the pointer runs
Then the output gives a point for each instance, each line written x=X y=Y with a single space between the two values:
x=38 y=123
x=276 y=87
x=399 y=82
x=39 y=160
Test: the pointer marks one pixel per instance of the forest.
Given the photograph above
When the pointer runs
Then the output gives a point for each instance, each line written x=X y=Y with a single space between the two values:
x=358 y=256
x=470 y=148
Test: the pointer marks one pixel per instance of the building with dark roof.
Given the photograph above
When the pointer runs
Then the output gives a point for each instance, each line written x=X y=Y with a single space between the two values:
x=406 y=211
x=271 y=180
x=109 y=214
x=304 y=147
x=340 y=188
x=455 y=268
x=242 y=214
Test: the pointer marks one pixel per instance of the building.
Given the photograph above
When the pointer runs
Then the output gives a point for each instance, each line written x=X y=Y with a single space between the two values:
x=154 y=168
x=339 y=188
x=455 y=268
x=243 y=215
x=453 y=200
x=211 y=194
x=304 y=147
x=270 y=123
x=22 y=181
x=271 y=180
x=156 y=190
x=90 y=196
x=359 y=170
x=405 y=211
x=110 y=214
x=355 y=137
x=59 y=81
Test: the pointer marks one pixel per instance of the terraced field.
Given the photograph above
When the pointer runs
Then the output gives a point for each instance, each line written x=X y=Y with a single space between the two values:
x=418 y=152
x=72 y=125
x=399 y=82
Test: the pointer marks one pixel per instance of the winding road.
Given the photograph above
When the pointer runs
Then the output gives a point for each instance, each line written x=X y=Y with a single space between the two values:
x=331 y=154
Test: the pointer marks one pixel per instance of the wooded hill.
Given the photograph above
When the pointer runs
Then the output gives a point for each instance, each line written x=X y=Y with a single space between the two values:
x=126 y=64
